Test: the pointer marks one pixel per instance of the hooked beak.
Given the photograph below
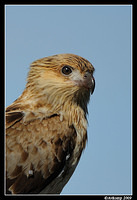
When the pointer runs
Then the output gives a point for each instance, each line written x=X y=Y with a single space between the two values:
x=89 y=82
x=93 y=85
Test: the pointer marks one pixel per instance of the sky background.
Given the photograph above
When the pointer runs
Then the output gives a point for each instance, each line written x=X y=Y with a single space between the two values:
x=101 y=34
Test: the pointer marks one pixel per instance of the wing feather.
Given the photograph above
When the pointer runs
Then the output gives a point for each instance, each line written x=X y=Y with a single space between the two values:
x=36 y=152
x=13 y=114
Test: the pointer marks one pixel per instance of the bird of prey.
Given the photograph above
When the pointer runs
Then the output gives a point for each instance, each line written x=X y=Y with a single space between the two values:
x=46 y=127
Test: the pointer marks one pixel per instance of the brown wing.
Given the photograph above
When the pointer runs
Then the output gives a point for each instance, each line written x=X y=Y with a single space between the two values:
x=13 y=114
x=36 y=152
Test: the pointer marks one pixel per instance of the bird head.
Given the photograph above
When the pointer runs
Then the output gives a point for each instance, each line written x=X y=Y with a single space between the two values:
x=61 y=78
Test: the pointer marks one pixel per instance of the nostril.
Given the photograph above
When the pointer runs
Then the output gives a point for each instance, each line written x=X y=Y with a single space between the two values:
x=87 y=75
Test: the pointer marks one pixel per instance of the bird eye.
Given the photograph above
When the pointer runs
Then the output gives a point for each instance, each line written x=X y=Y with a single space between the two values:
x=66 y=70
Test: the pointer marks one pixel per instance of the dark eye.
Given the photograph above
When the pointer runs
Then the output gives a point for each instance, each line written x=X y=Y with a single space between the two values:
x=66 y=70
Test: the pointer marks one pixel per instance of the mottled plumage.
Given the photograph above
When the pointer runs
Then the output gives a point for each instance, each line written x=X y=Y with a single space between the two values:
x=46 y=127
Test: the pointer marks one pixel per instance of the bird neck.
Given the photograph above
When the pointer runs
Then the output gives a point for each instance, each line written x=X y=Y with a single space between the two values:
x=67 y=106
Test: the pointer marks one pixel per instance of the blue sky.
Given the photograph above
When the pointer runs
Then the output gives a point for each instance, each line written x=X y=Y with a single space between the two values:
x=101 y=34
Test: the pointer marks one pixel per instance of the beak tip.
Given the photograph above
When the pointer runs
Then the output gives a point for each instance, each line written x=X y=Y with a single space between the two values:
x=93 y=85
